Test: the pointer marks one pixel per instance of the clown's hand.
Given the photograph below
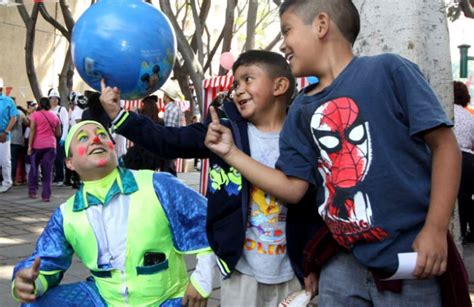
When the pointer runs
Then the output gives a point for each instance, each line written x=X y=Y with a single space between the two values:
x=192 y=298
x=110 y=99
x=24 y=283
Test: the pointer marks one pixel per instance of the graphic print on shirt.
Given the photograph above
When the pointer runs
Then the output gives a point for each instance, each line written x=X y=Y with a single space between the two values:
x=343 y=137
x=231 y=181
x=267 y=224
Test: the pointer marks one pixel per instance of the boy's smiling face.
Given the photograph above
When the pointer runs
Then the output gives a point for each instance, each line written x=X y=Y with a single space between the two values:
x=92 y=153
x=300 y=44
x=253 y=92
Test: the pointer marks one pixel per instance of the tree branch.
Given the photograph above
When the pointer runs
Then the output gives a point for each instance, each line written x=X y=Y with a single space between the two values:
x=53 y=22
x=467 y=6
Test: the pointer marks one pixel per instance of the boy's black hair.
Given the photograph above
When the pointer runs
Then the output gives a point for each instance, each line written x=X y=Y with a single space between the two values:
x=342 y=12
x=273 y=63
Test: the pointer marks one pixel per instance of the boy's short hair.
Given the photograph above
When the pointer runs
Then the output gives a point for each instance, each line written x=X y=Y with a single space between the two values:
x=342 y=12
x=273 y=63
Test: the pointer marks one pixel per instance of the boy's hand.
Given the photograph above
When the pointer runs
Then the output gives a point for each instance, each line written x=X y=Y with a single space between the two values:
x=192 y=298
x=311 y=284
x=432 y=248
x=25 y=282
x=219 y=138
x=110 y=99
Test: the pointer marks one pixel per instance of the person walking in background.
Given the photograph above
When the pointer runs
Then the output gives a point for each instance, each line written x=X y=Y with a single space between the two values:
x=31 y=107
x=18 y=147
x=44 y=129
x=77 y=104
x=8 y=117
x=63 y=116
x=464 y=130
x=173 y=116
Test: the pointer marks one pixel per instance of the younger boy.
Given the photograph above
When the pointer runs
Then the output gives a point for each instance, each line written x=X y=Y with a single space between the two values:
x=373 y=134
x=129 y=228
x=245 y=226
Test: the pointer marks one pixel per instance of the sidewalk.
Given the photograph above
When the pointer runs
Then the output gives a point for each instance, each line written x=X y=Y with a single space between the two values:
x=22 y=220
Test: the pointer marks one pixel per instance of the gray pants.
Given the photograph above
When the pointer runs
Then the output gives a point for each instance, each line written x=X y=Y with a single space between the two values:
x=243 y=290
x=344 y=282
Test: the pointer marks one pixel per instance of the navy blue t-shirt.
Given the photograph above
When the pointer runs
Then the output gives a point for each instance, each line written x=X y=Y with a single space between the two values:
x=360 y=139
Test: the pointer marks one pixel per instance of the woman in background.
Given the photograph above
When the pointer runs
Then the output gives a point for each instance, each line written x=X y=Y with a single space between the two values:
x=44 y=127
x=464 y=130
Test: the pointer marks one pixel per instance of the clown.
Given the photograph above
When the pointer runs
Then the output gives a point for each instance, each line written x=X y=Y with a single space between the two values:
x=130 y=229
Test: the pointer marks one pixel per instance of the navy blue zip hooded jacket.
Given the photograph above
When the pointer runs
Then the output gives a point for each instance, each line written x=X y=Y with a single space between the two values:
x=228 y=191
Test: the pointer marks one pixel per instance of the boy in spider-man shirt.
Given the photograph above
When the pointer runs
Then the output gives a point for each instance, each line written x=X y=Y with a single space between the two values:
x=373 y=135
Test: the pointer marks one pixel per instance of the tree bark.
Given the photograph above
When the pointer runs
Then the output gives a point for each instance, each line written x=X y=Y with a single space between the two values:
x=228 y=29
x=467 y=6
x=30 y=24
x=251 y=22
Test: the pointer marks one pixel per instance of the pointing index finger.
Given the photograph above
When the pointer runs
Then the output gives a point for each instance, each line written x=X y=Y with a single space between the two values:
x=102 y=85
x=214 y=116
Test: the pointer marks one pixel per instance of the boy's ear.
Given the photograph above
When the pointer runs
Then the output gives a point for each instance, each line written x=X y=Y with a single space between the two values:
x=280 y=86
x=69 y=164
x=321 y=24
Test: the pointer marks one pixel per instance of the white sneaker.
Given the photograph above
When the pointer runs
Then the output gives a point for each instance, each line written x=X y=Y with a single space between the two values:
x=5 y=188
x=58 y=183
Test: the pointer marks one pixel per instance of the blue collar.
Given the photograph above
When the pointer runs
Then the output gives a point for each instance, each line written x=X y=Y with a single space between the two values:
x=124 y=183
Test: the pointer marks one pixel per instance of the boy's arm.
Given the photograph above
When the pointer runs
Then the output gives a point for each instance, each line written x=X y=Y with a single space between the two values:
x=275 y=182
x=431 y=244
x=165 y=142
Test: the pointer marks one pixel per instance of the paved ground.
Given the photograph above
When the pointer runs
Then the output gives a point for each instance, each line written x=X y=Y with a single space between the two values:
x=22 y=220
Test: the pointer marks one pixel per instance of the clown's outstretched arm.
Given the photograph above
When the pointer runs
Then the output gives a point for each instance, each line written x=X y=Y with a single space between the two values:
x=273 y=181
x=165 y=142
x=33 y=276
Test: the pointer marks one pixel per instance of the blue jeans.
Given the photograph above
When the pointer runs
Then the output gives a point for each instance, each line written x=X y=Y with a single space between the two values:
x=344 y=282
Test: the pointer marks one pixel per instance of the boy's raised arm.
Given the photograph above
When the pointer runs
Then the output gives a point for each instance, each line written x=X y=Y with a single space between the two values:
x=275 y=182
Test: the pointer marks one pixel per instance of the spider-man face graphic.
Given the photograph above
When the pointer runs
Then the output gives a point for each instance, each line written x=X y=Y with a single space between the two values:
x=344 y=142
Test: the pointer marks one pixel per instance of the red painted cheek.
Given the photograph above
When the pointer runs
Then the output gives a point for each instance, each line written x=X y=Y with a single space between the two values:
x=81 y=151
x=111 y=145
x=101 y=163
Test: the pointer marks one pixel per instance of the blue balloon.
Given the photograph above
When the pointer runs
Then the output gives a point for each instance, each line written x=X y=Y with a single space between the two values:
x=129 y=43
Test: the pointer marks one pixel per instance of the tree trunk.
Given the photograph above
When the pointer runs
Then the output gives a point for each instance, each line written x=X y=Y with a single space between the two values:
x=467 y=6
x=417 y=30
x=65 y=79
x=30 y=23
x=190 y=62
x=228 y=29
x=251 y=22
